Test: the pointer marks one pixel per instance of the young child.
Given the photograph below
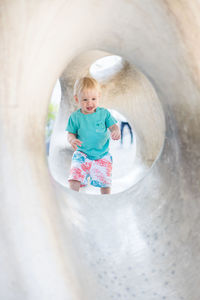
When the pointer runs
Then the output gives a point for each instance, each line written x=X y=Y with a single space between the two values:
x=88 y=135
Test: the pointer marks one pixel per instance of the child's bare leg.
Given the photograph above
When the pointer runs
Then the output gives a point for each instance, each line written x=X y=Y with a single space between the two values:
x=74 y=185
x=105 y=190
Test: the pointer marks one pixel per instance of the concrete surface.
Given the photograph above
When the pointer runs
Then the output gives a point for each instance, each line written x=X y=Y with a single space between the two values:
x=141 y=244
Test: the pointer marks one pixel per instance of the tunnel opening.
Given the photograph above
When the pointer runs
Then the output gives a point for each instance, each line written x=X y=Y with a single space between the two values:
x=131 y=99
x=103 y=69
x=52 y=113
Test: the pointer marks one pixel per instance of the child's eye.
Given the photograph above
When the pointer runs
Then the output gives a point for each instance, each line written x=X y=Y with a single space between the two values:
x=84 y=99
x=93 y=98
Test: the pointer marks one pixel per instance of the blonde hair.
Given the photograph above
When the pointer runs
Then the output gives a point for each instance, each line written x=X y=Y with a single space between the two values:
x=85 y=83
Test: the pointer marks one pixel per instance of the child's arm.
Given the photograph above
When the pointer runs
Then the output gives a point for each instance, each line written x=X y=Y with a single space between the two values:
x=115 y=132
x=73 y=140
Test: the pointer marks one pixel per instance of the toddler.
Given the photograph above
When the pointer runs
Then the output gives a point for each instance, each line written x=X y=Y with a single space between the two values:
x=89 y=136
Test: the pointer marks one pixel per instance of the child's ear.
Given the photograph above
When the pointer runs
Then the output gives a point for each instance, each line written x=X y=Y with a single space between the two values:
x=76 y=98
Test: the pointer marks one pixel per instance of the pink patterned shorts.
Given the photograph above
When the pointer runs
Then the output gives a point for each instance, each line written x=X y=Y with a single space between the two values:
x=98 y=171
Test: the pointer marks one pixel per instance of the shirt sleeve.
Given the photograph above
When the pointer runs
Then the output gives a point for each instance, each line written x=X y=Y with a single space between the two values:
x=110 y=120
x=71 y=125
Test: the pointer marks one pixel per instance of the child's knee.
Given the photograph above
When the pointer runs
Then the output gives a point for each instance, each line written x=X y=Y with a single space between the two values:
x=74 y=184
x=105 y=190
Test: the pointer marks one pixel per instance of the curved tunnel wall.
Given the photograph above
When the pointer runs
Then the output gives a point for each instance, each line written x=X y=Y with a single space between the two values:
x=128 y=92
x=151 y=229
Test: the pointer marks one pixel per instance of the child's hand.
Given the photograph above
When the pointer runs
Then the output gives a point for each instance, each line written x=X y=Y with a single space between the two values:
x=75 y=143
x=115 y=132
x=115 y=135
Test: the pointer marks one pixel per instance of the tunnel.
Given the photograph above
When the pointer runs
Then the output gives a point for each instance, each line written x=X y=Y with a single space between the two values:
x=143 y=242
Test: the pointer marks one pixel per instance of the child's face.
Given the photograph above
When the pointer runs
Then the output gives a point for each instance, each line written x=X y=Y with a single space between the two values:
x=88 y=100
